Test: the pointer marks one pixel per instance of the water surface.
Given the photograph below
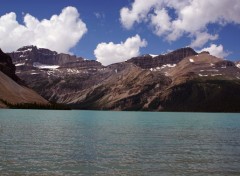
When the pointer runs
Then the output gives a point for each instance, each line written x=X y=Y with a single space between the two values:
x=37 y=142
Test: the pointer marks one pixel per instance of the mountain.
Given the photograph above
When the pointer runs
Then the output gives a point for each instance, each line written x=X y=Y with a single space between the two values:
x=150 y=61
x=13 y=93
x=202 y=83
x=7 y=67
x=181 y=80
x=31 y=55
x=12 y=89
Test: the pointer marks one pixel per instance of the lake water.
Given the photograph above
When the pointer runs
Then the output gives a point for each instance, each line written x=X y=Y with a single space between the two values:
x=37 y=142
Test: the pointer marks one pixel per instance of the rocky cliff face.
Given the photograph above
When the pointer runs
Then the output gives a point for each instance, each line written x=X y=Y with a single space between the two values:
x=148 y=61
x=178 y=81
x=127 y=88
x=28 y=55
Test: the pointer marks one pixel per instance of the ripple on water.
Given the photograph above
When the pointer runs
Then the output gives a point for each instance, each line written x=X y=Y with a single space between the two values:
x=118 y=143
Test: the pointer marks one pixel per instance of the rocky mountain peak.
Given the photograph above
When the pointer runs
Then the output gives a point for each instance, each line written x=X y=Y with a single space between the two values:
x=148 y=61
x=183 y=52
x=27 y=48
x=28 y=55
x=204 y=52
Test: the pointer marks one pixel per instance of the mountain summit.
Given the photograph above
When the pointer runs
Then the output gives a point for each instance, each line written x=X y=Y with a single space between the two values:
x=28 y=55
x=148 y=61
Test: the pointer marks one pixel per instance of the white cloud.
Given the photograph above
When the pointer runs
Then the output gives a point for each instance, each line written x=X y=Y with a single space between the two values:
x=108 y=53
x=138 y=12
x=201 y=38
x=59 y=33
x=160 y=21
x=192 y=17
x=215 y=50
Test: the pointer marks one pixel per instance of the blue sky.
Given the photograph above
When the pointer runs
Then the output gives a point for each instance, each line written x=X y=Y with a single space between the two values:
x=154 y=26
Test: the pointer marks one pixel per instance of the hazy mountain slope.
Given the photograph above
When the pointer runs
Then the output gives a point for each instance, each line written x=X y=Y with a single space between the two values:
x=14 y=93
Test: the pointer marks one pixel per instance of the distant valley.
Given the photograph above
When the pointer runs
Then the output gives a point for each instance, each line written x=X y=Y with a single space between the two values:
x=182 y=80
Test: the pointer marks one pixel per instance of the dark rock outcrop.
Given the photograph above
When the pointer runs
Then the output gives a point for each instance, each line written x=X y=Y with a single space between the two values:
x=225 y=63
x=205 y=95
x=7 y=67
x=83 y=63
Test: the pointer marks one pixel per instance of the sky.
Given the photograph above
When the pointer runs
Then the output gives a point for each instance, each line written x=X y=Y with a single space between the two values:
x=112 y=31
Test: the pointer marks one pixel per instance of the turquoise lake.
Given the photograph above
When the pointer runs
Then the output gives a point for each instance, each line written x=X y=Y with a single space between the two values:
x=37 y=142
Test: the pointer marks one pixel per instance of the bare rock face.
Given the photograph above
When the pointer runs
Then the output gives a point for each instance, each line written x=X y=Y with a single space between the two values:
x=83 y=63
x=174 y=57
x=7 y=67
x=225 y=63
x=31 y=54
x=127 y=88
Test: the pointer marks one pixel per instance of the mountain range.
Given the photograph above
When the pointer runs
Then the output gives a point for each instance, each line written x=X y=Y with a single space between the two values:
x=182 y=80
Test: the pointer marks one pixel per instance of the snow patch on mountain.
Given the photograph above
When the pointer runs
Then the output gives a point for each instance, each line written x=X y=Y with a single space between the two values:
x=19 y=64
x=201 y=75
x=163 y=66
x=42 y=66
x=191 y=60
x=153 y=55
x=216 y=75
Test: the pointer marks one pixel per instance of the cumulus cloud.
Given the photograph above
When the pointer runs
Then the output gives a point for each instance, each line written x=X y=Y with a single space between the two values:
x=215 y=50
x=192 y=17
x=160 y=21
x=201 y=38
x=108 y=53
x=60 y=33
x=138 y=12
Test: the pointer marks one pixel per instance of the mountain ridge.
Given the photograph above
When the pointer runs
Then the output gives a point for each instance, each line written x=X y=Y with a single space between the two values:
x=146 y=82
